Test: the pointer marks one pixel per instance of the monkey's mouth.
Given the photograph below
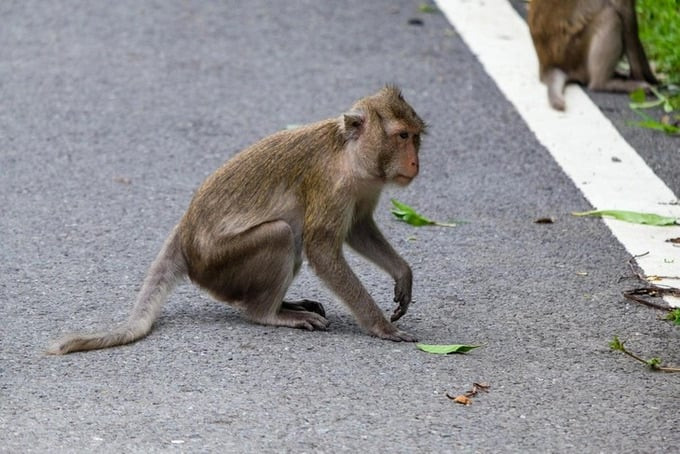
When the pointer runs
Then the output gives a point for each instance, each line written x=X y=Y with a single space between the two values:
x=403 y=180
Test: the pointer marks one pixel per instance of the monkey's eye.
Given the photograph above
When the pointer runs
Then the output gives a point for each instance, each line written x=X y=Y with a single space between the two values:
x=403 y=135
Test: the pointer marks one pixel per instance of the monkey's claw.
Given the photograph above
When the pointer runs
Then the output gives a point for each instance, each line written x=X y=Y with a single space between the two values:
x=398 y=313
x=401 y=309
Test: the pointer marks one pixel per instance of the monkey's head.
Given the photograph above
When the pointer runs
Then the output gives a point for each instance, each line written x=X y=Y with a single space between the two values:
x=386 y=131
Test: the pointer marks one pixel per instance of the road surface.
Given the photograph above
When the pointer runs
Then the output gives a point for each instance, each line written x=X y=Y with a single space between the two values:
x=112 y=113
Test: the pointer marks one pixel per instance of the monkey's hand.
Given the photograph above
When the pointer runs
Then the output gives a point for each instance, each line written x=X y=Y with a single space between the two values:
x=386 y=330
x=402 y=295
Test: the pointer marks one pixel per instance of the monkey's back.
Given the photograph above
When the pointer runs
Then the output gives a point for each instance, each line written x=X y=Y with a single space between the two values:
x=559 y=30
x=267 y=181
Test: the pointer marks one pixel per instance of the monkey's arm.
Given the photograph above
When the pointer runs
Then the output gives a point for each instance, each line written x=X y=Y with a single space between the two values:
x=366 y=239
x=330 y=265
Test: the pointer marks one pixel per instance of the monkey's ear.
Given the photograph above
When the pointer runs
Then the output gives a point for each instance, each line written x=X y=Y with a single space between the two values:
x=353 y=124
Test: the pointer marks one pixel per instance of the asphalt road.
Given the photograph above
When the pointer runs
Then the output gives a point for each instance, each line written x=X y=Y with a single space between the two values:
x=112 y=113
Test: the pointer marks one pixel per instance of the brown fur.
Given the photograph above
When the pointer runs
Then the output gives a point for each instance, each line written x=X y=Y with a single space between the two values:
x=306 y=190
x=582 y=41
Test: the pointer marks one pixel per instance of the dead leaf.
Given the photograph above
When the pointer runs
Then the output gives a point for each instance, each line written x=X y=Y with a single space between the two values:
x=122 y=180
x=544 y=220
x=476 y=387
x=462 y=399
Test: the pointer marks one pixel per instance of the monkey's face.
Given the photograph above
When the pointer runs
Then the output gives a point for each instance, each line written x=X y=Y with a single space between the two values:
x=388 y=132
x=400 y=158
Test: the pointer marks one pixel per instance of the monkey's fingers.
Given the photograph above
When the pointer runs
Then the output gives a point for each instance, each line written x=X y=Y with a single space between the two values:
x=397 y=314
x=400 y=310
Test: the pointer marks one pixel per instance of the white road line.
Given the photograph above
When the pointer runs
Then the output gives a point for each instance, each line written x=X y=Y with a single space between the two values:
x=581 y=140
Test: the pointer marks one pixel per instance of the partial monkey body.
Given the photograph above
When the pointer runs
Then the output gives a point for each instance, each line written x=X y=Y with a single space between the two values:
x=582 y=41
x=305 y=191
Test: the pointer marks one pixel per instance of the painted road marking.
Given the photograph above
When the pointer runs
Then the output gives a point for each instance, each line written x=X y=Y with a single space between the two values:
x=581 y=140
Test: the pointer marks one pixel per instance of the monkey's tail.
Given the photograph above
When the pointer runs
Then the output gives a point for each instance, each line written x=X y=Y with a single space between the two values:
x=556 y=79
x=165 y=272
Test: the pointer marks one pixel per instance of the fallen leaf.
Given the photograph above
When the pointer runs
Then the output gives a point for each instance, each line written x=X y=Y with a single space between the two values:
x=442 y=349
x=426 y=8
x=464 y=400
x=122 y=180
x=546 y=220
x=407 y=214
x=631 y=216
x=480 y=387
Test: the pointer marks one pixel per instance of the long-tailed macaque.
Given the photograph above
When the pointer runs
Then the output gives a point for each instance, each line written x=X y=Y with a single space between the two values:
x=309 y=189
x=582 y=41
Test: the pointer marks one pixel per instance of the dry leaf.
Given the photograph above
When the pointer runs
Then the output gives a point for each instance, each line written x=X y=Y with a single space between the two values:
x=463 y=400
x=545 y=220
x=122 y=180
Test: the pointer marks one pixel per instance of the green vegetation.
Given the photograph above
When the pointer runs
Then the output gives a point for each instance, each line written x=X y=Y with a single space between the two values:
x=407 y=214
x=674 y=316
x=440 y=349
x=659 y=23
x=659 y=29
x=652 y=363
x=631 y=216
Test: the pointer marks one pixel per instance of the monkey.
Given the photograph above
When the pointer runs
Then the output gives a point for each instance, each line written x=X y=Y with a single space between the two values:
x=582 y=41
x=307 y=191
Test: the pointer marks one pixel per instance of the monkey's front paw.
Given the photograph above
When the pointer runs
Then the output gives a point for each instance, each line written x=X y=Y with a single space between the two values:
x=399 y=311
x=393 y=334
x=402 y=296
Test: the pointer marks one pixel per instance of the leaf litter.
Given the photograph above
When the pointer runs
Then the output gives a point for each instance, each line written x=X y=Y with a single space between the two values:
x=466 y=398
x=407 y=214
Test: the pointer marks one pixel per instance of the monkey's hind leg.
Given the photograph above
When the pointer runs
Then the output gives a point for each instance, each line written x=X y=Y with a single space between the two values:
x=265 y=273
x=305 y=305
x=606 y=48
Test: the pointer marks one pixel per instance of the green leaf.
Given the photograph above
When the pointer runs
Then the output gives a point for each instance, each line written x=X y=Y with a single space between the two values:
x=646 y=104
x=616 y=344
x=658 y=126
x=654 y=363
x=649 y=122
x=674 y=316
x=407 y=214
x=440 y=349
x=427 y=8
x=638 y=96
x=631 y=216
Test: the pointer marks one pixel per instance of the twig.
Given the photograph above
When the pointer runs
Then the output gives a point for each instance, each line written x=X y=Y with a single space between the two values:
x=633 y=295
x=650 y=289
x=654 y=363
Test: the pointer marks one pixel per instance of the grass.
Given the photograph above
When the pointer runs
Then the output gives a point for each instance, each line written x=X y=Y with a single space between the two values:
x=659 y=30
x=659 y=23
